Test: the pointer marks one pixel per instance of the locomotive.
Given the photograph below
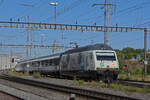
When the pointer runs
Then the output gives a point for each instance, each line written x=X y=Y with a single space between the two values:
x=93 y=62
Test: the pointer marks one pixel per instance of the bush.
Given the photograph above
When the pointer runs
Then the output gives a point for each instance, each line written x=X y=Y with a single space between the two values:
x=80 y=82
x=148 y=69
x=139 y=71
x=92 y=83
x=116 y=86
x=122 y=76
x=103 y=85
x=120 y=65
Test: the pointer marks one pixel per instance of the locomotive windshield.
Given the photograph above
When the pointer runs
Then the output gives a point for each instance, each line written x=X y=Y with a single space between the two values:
x=105 y=56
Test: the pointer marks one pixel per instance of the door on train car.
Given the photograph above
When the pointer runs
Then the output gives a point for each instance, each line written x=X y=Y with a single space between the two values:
x=74 y=62
x=89 y=61
x=63 y=63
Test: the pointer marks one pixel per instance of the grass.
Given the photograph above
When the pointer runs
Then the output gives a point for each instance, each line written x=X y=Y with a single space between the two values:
x=10 y=72
x=134 y=77
x=100 y=84
x=113 y=86
x=36 y=75
x=103 y=85
x=130 y=88
x=78 y=82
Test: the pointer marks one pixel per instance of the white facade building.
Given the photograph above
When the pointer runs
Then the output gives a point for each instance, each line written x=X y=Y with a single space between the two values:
x=8 y=61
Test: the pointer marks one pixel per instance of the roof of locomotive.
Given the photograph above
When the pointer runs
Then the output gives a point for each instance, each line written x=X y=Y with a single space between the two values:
x=80 y=49
x=90 y=47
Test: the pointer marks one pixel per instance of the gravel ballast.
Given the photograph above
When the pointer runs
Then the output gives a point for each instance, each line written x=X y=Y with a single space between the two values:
x=145 y=96
x=29 y=92
x=19 y=93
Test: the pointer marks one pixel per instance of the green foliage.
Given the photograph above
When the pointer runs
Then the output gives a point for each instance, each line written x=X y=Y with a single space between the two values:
x=148 y=69
x=146 y=89
x=103 y=85
x=120 y=87
x=132 y=89
x=120 y=65
x=116 y=86
x=36 y=75
x=122 y=76
x=11 y=72
x=129 y=88
x=92 y=83
x=75 y=82
x=139 y=71
x=148 y=58
x=113 y=86
x=129 y=53
x=137 y=77
x=80 y=82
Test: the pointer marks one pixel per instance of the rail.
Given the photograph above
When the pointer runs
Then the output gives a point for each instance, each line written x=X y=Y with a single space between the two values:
x=140 y=84
x=69 y=89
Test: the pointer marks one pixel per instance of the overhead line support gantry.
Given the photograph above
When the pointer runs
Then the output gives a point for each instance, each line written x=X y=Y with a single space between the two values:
x=106 y=18
x=67 y=27
x=79 y=28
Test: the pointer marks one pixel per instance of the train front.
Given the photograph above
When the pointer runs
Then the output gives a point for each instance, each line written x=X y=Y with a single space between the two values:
x=106 y=65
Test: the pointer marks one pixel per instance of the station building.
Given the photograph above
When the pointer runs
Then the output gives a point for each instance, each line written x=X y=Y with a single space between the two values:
x=8 y=61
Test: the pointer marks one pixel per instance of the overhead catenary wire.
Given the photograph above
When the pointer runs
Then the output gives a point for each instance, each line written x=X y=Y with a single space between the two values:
x=28 y=10
x=91 y=18
x=135 y=7
x=66 y=9
x=131 y=9
x=132 y=41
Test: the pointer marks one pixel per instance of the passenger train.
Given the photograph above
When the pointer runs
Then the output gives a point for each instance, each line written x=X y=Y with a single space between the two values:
x=96 y=62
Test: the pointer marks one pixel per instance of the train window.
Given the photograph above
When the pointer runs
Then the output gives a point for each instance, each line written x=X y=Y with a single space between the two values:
x=105 y=56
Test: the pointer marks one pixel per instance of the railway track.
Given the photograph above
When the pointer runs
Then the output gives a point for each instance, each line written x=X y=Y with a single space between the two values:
x=140 y=84
x=7 y=96
x=68 y=89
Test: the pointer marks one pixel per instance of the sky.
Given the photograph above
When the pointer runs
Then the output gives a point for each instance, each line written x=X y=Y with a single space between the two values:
x=130 y=13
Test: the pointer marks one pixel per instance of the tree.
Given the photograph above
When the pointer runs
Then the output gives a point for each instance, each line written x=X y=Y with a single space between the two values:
x=128 y=52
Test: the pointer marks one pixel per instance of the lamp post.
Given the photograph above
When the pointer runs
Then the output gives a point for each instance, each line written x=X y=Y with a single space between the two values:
x=54 y=4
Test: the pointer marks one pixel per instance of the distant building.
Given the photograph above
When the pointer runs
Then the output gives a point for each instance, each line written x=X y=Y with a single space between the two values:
x=8 y=61
x=138 y=57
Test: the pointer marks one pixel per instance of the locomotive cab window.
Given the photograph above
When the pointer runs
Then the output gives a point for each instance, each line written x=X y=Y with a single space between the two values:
x=106 y=56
